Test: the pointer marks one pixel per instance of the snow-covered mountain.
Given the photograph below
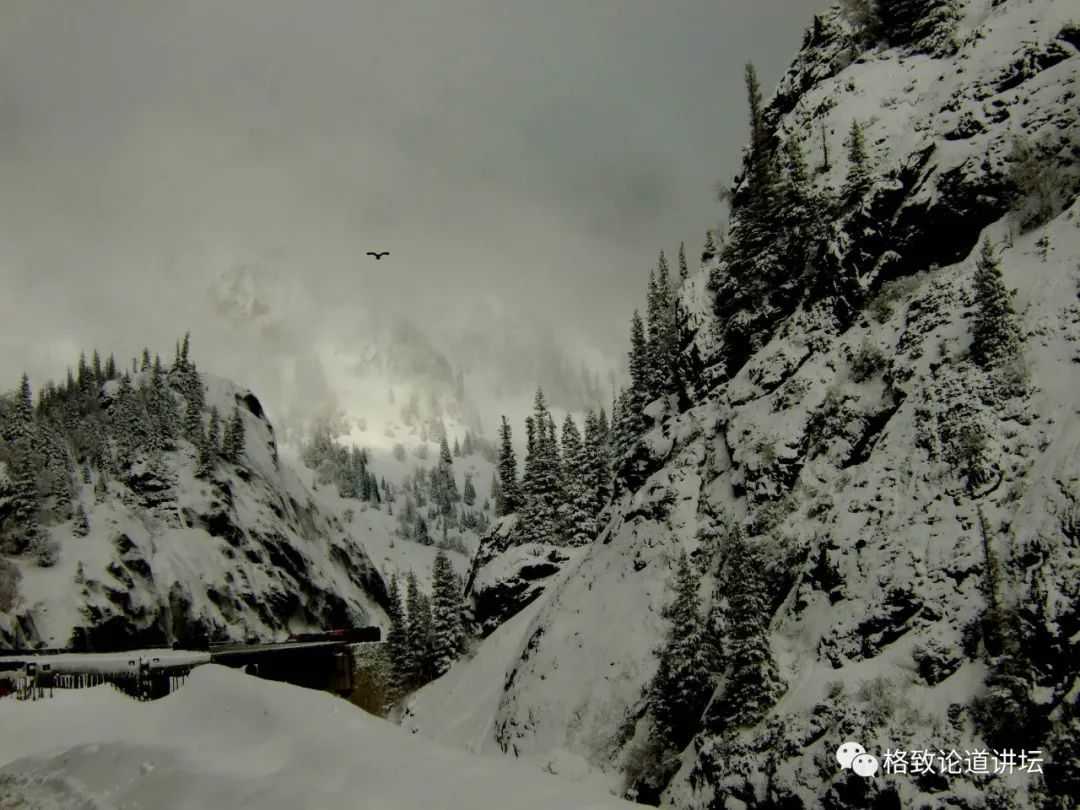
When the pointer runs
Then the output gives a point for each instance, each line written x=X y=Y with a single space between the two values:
x=916 y=512
x=170 y=556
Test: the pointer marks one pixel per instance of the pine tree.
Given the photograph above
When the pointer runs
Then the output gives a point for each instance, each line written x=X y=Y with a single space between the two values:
x=858 y=176
x=541 y=490
x=684 y=271
x=145 y=360
x=420 y=531
x=469 y=495
x=25 y=501
x=446 y=630
x=508 y=489
x=457 y=448
x=24 y=412
x=754 y=684
x=232 y=447
x=654 y=336
x=528 y=480
x=682 y=686
x=596 y=466
x=84 y=380
x=639 y=364
x=421 y=637
x=414 y=654
x=709 y=251
x=213 y=435
x=193 y=425
x=666 y=349
x=996 y=335
x=99 y=376
x=553 y=458
x=110 y=368
x=207 y=452
x=397 y=638
x=751 y=253
x=576 y=516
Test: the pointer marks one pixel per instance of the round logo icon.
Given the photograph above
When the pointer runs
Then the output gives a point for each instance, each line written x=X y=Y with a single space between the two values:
x=847 y=752
x=865 y=765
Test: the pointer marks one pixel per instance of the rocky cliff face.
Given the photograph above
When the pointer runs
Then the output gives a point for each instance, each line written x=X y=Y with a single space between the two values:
x=170 y=557
x=918 y=513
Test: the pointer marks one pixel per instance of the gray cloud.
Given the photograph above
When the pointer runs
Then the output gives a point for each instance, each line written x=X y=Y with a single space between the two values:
x=223 y=167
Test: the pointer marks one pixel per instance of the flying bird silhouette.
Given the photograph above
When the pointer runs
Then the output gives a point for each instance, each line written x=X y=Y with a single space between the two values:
x=378 y=256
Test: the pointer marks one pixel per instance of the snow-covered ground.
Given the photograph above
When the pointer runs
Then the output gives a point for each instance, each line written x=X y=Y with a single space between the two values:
x=228 y=740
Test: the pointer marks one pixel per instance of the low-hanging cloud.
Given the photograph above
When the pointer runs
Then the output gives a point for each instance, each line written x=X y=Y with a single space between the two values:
x=224 y=168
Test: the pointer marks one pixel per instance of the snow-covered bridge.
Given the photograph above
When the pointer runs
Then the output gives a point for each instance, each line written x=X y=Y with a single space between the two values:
x=323 y=663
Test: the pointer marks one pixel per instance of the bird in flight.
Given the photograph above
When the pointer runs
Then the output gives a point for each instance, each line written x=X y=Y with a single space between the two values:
x=378 y=256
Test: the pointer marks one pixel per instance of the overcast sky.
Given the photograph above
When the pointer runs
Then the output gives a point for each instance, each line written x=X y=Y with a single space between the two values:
x=224 y=166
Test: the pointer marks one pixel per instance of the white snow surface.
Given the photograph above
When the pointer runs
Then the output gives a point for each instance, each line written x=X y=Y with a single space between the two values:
x=228 y=740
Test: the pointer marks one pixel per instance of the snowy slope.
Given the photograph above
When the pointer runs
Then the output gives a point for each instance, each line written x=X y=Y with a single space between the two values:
x=850 y=482
x=227 y=740
x=379 y=530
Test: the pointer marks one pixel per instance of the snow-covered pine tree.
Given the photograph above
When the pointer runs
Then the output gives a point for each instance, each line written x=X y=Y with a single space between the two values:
x=469 y=494
x=575 y=510
x=207 y=452
x=457 y=448
x=996 y=336
x=397 y=641
x=232 y=446
x=709 y=251
x=446 y=628
x=665 y=351
x=597 y=471
x=507 y=483
x=640 y=385
x=84 y=379
x=751 y=253
x=857 y=182
x=682 y=686
x=145 y=366
x=420 y=531
x=421 y=636
x=654 y=336
x=554 y=459
x=754 y=683
x=22 y=428
x=213 y=433
x=541 y=494
x=528 y=480
x=684 y=271
x=24 y=499
x=413 y=654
